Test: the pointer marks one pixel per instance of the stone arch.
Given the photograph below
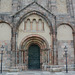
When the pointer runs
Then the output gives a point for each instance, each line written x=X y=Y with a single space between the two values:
x=1 y=21
x=42 y=39
x=70 y=26
x=68 y=38
x=8 y=24
x=36 y=40
x=5 y=40
x=66 y=24
x=37 y=13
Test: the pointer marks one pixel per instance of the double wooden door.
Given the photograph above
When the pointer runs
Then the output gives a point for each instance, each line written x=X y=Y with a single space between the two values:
x=34 y=57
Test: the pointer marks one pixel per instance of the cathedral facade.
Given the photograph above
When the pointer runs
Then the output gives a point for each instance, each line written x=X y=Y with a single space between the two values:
x=34 y=34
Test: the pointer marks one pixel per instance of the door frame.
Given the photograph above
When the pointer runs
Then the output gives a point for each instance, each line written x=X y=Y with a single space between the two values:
x=38 y=40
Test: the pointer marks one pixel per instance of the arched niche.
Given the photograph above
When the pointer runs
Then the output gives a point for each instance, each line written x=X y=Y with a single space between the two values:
x=64 y=32
x=65 y=37
x=5 y=40
x=5 y=32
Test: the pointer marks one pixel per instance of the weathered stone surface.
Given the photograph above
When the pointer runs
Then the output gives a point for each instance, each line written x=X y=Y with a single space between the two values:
x=55 y=69
x=14 y=12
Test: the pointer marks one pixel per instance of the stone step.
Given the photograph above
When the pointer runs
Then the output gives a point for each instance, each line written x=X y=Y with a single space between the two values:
x=14 y=70
x=55 y=70
x=14 y=73
x=38 y=73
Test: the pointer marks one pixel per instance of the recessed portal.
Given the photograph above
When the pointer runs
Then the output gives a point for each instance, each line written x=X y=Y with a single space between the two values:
x=34 y=57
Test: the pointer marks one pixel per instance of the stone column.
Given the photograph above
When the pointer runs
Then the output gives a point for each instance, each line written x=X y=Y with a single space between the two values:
x=26 y=59
x=48 y=56
x=20 y=57
x=56 y=50
x=55 y=43
x=52 y=50
x=74 y=48
x=13 y=52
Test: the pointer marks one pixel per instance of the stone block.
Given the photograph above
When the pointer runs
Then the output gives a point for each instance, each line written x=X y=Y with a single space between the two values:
x=5 y=69
x=55 y=69
x=12 y=73
x=14 y=70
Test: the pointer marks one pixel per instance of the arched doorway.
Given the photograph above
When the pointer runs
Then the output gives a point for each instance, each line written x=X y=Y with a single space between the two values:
x=34 y=49
x=34 y=57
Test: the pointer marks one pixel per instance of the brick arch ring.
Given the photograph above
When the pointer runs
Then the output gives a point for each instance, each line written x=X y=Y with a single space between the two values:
x=34 y=39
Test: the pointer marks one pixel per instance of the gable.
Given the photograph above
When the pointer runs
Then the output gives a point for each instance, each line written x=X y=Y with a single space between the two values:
x=32 y=8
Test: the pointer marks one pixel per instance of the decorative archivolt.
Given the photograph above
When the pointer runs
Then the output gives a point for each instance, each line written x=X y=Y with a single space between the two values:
x=34 y=40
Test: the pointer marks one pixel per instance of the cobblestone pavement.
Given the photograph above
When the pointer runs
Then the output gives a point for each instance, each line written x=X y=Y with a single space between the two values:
x=38 y=73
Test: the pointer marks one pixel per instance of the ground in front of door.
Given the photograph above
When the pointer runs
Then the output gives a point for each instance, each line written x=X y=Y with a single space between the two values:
x=38 y=73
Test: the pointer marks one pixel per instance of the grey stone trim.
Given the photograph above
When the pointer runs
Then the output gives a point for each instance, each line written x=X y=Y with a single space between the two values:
x=32 y=4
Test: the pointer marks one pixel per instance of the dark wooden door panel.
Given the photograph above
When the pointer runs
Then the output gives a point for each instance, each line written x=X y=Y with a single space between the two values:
x=34 y=57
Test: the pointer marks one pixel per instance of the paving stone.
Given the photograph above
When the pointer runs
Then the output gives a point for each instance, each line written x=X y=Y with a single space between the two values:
x=12 y=73
x=59 y=73
x=56 y=70
x=38 y=73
